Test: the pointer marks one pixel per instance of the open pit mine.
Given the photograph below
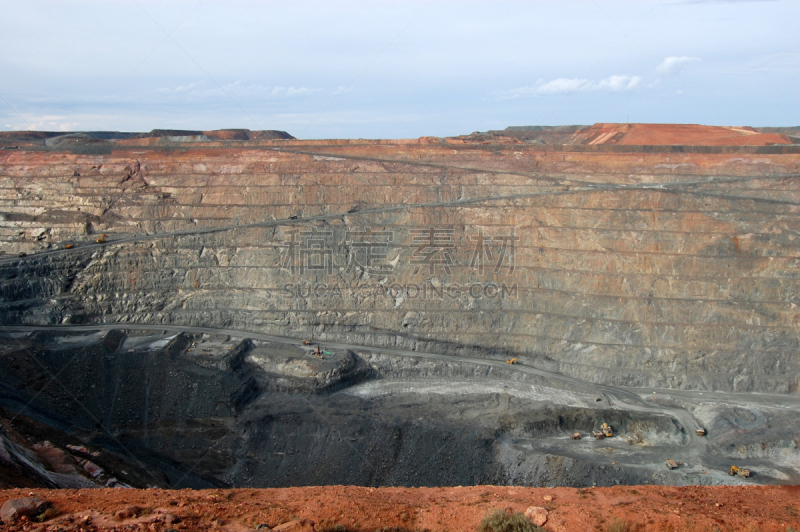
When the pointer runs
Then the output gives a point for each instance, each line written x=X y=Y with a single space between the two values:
x=538 y=306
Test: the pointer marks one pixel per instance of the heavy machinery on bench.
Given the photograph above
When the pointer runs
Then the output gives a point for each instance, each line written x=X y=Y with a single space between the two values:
x=741 y=471
x=604 y=432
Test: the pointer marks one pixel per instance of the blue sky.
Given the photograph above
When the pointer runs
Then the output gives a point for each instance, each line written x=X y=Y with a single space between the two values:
x=395 y=69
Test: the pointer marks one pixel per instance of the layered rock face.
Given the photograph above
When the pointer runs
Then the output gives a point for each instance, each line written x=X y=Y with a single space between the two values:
x=637 y=269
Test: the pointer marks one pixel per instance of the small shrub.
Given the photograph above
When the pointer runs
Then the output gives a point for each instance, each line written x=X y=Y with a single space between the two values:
x=620 y=525
x=507 y=521
x=48 y=514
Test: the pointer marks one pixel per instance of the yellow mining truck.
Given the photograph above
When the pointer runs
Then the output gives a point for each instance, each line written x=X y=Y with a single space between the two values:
x=607 y=432
x=741 y=471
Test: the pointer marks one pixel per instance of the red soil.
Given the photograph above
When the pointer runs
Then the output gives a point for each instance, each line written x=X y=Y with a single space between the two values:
x=228 y=134
x=682 y=134
x=645 y=508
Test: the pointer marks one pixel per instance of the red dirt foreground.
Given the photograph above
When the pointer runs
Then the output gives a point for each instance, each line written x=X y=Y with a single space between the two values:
x=343 y=508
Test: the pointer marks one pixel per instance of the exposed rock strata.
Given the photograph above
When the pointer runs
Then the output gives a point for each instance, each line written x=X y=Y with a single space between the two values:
x=666 y=270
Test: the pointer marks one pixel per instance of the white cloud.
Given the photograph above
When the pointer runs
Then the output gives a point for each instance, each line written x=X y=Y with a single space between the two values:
x=561 y=85
x=568 y=85
x=45 y=123
x=184 y=88
x=237 y=89
x=618 y=83
x=671 y=65
x=292 y=91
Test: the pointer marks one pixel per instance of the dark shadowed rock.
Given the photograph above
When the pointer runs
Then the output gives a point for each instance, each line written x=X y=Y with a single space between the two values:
x=16 y=508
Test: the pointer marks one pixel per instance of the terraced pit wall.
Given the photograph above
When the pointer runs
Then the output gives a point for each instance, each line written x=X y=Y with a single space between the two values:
x=640 y=269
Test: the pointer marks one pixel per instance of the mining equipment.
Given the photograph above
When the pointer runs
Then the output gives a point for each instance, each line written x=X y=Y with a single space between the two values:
x=672 y=464
x=576 y=436
x=101 y=239
x=700 y=431
x=306 y=342
x=69 y=246
x=511 y=361
x=607 y=432
x=598 y=434
x=741 y=471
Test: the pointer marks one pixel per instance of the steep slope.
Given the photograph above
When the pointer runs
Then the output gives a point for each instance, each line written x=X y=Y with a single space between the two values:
x=668 y=270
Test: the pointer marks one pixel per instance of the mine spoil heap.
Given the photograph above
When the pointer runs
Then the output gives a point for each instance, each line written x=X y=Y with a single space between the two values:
x=594 y=263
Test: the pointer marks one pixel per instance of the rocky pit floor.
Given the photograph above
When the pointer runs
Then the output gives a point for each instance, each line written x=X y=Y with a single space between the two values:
x=203 y=408
x=342 y=508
